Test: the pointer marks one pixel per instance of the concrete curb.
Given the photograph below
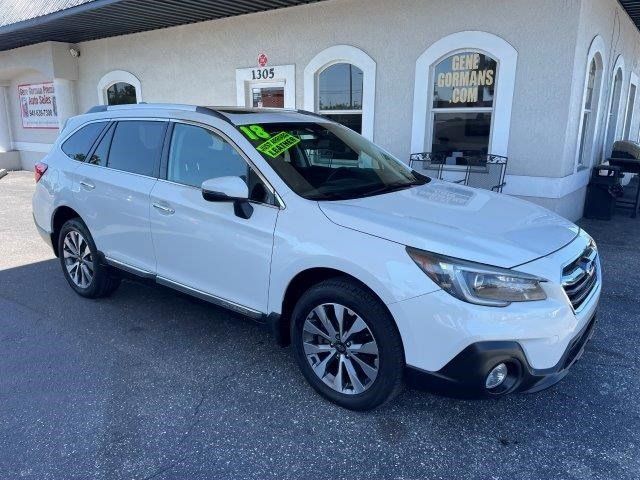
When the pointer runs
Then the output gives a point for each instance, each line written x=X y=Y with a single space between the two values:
x=3 y=172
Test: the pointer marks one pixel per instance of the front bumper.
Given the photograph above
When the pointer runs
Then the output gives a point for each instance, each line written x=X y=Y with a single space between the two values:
x=464 y=376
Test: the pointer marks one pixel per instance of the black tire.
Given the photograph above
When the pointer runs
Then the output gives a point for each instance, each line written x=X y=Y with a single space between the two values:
x=371 y=310
x=104 y=281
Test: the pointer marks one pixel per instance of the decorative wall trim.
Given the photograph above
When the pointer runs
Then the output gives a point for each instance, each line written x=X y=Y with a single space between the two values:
x=497 y=48
x=116 y=76
x=546 y=187
x=344 y=54
x=32 y=147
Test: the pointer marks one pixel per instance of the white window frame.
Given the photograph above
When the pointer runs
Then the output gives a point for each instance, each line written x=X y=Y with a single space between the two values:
x=489 y=44
x=597 y=48
x=117 y=76
x=630 y=109
x=343 y=54
x=618 y=67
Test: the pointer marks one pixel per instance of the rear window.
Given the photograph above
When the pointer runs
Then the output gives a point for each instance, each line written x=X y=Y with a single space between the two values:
x=77 y=146
x=136 y=146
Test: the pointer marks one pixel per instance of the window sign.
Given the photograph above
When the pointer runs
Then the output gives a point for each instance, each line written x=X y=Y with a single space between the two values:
x=38 y=107
x=465 y=80
x=462 y=109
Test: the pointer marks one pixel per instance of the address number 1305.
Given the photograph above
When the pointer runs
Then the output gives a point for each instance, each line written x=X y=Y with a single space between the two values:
x=263 y=73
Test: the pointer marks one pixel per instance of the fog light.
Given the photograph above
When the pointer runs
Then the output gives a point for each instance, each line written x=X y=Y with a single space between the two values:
x=496 y=376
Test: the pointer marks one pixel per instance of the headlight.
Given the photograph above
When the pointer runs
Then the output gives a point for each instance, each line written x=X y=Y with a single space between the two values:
x=478 y=283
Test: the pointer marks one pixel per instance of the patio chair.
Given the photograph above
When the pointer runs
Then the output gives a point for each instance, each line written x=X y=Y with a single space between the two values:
x=487 y=172
x=428 y=163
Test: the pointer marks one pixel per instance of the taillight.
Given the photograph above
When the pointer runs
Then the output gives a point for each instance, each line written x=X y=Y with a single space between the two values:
x=39 y=170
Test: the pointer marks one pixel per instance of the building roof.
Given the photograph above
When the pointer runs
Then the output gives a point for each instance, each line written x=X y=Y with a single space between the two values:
x=14 y=11
x=72 y=21
x=633 y=9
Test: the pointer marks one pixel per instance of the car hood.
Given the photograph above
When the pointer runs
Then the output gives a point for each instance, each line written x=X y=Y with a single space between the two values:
x=457 y=221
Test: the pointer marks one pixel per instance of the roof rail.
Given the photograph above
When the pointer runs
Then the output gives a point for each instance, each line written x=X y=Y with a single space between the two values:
x=213 y=113
x=97 y=109
x=313 y=114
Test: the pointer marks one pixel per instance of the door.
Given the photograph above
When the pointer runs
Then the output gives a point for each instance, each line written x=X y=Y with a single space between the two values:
x=203 y=245
x=113 y=190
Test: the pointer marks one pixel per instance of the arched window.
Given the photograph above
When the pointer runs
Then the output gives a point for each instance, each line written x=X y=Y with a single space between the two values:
x=340 y=82
x=590 y=111
x=340 y=94
x=613 y=117
x=462 y=107
x=121 y=93
x=118 y=88
x=463 y=95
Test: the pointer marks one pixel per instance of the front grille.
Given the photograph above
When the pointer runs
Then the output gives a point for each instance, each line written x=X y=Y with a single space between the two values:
x=580 y=277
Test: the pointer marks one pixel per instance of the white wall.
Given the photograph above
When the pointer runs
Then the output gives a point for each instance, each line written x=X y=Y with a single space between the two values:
x=196 y=63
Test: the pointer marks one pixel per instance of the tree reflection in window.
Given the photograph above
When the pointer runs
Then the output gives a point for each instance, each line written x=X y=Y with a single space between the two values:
x=340 y=94
x=121 y=93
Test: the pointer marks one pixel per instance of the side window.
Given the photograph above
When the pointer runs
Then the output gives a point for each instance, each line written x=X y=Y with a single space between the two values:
x=99 y=155
x=136 y=146
x=198 y=154
x=77 y=146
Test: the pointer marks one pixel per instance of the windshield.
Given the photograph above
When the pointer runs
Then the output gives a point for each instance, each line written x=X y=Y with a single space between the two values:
x=326 y=161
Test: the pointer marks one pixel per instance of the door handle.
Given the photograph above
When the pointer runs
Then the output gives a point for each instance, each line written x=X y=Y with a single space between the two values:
x=164 y=209
x=87 y=185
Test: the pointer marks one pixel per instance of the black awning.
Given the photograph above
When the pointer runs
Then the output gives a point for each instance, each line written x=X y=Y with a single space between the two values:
x=633 y=9
x=108 y=18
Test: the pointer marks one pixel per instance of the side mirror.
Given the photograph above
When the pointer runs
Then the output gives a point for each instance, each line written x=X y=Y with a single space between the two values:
x=229 y=189
x=225 y=189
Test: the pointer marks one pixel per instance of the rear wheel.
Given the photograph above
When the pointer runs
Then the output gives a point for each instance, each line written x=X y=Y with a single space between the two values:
x=80 y=262
x=347 y=345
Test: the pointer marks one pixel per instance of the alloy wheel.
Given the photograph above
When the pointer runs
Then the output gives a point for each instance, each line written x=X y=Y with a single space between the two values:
x=78 y=259
x=340 y=348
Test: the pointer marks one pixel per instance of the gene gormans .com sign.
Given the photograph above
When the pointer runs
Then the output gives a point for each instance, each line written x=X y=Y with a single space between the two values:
x=38 y=106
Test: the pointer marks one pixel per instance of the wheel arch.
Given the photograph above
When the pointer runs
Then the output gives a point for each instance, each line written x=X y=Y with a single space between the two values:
x=60 y=215
x=300 y=283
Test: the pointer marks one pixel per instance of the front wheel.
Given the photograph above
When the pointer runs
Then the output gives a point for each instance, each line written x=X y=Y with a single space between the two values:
x=80 y=262
x=347 y=345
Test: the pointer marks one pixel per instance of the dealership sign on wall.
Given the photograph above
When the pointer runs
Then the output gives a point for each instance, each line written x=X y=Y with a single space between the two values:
x=38 y=106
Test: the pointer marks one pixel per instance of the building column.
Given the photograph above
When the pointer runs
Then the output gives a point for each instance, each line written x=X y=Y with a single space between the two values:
x=5 y=127
x=65 y=99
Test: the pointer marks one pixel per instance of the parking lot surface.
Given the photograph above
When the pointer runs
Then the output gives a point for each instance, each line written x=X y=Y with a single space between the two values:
x=152 y=384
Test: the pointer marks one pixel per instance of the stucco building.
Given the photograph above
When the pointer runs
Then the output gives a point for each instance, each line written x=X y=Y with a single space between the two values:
x=550 y=84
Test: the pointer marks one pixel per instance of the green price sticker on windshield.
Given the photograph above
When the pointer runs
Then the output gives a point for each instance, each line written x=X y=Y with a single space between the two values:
x=278 y=144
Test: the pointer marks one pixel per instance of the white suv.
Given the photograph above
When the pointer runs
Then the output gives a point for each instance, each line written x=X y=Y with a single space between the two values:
x=372 y=271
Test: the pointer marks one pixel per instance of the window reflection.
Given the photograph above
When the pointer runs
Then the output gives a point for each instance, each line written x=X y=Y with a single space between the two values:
x=121 y=93
x=340 y=94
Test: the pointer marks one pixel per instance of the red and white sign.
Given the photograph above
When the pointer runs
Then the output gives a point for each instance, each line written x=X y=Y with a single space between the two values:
x=38 y=107
x=263 y=59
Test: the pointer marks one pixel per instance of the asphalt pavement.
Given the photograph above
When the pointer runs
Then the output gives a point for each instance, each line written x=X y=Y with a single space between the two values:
x=153 y=384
